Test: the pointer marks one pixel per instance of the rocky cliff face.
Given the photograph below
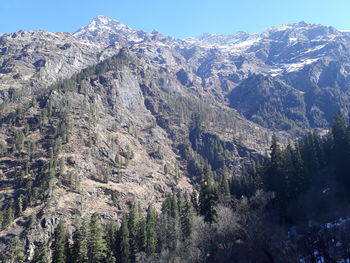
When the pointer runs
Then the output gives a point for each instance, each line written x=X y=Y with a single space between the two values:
x=108 y=116
x=31 y=60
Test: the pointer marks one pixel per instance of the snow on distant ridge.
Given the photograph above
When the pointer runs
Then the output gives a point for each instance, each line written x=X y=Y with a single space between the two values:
x=235 y=42
x=280 y=28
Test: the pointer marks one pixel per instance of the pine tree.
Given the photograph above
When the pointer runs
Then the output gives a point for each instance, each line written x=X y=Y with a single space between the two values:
x=275 y=156
x=341 y=155
x=166 y=206
x=207 y=196
x=274 y=178
x=168 y=223
x=69 y=250
x=124 y=246
x=19 y=205
x=224 y=190
x=134 y=225
x=41 y=254
x=9 y=216
x=111 y=232
x=297 y=179
x=59 y=244
x=97 y=244
x=142 y=235
x=151 y=234
x=311 y=157
x=186 y=220
x=194 y=201
x=173 y=228
x=196 y=130
x=80 y=247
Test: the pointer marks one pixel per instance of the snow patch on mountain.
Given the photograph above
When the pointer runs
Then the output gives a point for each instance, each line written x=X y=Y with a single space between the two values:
x=293 y=39
x=275 y=72
x=290 y=67
x=293 y=67
x=318 y=47
x=228 y=43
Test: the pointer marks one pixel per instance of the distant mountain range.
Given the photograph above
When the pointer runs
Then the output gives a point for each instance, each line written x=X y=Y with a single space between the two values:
x=311 y=62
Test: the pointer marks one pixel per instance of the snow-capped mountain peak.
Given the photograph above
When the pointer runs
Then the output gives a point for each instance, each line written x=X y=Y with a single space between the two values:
x=103 y=19
x=105 y=31
x=103 y=22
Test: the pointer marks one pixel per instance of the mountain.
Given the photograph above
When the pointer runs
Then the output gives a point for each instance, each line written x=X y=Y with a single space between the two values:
x=105 y=31
x=312 y=59
x=109 y=116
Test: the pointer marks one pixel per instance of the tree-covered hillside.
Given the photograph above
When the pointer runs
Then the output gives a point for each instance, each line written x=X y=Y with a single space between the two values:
x=275 y=211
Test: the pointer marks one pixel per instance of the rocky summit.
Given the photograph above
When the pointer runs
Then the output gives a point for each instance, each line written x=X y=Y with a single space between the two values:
x=108 y=116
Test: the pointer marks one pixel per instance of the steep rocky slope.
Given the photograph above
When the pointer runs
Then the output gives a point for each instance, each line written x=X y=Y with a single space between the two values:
x=34 y=59
x=112 y=135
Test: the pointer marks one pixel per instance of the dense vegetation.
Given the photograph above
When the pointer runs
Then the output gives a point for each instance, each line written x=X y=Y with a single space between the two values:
x=34 y=177
x=231 y=218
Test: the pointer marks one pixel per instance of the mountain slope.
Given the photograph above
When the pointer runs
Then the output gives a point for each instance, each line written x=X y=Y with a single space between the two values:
x=112 y=135
x=109 y=116
x=312 y=59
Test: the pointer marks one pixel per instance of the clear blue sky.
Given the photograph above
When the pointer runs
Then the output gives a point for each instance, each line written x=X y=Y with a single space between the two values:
x=179 y=18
